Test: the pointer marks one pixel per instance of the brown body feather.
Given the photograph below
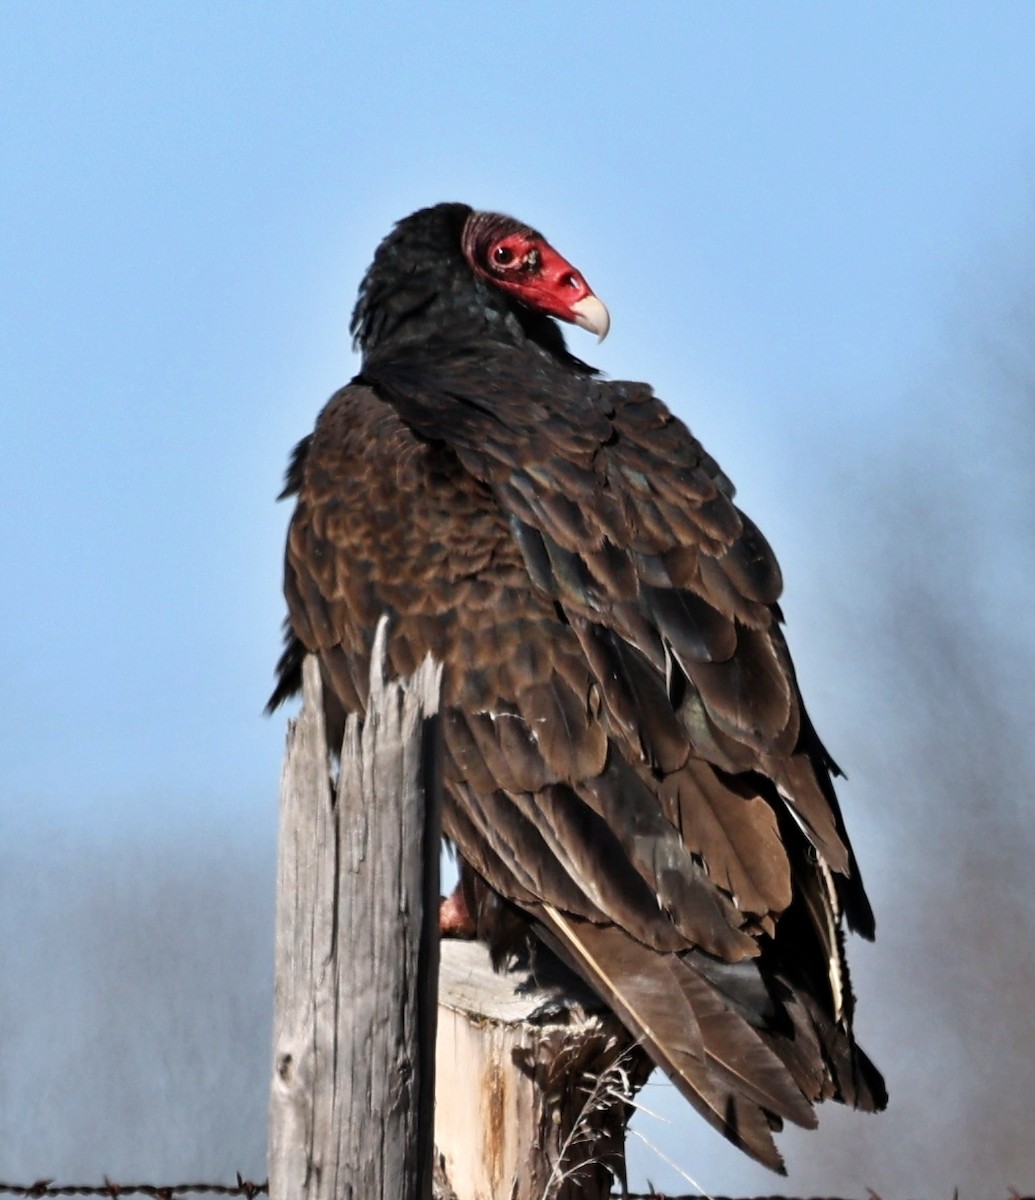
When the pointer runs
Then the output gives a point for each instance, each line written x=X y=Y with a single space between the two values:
x=628 y=768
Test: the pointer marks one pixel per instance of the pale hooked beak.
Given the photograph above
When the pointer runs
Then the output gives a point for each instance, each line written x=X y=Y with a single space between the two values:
x=590 y=313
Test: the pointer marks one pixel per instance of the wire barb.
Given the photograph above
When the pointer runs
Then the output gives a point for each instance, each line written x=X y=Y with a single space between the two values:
x=161 y=1191
x=244 y=1187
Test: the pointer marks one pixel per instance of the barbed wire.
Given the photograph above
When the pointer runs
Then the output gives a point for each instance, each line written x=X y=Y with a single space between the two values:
x=244 y=1187
x=161 y=1191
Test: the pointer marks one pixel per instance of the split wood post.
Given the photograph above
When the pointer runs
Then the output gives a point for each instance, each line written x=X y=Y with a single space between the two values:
x=357 y=948
x=533 y=1079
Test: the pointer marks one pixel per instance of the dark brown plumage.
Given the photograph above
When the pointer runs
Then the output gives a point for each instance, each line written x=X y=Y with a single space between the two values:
x=630 y=772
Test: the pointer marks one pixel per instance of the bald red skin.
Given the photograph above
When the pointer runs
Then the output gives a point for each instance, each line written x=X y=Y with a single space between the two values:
x=454 y=917
x=520 y=261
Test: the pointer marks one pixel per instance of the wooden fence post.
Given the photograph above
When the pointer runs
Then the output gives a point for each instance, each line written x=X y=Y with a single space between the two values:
x=357 y=949
x=533 y=1080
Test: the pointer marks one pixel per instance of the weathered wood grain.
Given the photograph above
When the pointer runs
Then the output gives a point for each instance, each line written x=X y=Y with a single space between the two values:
x=519 y=1113
x=357 y=949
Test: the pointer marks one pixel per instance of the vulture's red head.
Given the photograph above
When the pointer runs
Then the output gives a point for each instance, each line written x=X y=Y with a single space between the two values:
x=448 y=273
x=522 y=263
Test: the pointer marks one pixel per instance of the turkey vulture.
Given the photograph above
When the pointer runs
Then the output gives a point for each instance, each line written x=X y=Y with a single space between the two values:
x=630 y=775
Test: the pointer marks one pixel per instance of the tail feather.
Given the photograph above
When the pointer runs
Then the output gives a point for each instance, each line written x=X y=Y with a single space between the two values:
x=854 y=1080
x=720 y=1062
x=739 y=1054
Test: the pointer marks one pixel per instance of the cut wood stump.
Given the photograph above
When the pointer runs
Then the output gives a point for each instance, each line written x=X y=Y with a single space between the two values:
x=533 y=1079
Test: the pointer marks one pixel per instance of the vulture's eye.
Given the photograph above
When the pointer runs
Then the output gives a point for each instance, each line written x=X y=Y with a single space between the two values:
x=503 y=256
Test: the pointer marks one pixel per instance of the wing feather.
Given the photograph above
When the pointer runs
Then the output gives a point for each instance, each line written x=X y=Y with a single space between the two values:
x=625 y=740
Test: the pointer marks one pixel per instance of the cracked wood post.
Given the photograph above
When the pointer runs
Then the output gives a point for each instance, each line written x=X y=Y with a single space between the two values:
x=533 y=1080
x=357 y=948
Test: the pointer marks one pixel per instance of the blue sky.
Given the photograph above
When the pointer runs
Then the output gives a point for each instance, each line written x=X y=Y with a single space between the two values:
x=790 y=210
